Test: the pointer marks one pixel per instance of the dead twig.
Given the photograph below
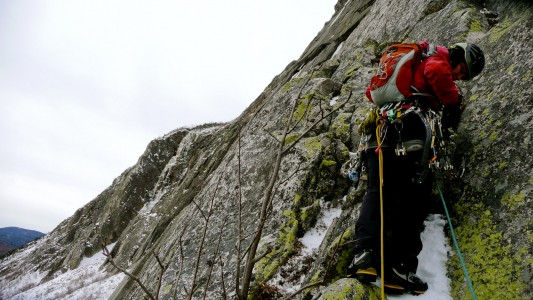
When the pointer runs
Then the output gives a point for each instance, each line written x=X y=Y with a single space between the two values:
x=291 y=145
x=311 y=285
x=194 y=286
x=135 y=278
x=215 y=254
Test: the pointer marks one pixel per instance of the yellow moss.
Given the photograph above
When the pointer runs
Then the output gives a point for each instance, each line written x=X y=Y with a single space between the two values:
x=300 y=109
x=286 y=87
x=167 y=288
x=513 y=201
x=510 y=68
x=297 y=199
x=474 y=97
x=316 y=277
x=328 y=163
x=352 y=289
x=489 y=96
x=475 y=25
x=499 y=30
x=487 y=256
x=283 y=249
x=527 y=76
x=313 y=145
x=493 y=136
x=291 y=137
x=340 y=239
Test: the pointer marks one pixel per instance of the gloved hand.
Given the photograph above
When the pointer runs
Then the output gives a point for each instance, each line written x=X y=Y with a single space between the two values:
x=451 y=114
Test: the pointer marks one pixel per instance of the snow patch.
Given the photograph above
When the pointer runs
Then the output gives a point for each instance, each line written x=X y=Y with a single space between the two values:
x=432 y=262
x=314 y=237
x=291 y=276
x=333 y=100
x=84 y=282
x=339 y=47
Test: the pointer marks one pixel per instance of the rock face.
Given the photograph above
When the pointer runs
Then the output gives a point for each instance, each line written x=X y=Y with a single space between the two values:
x=219 y=174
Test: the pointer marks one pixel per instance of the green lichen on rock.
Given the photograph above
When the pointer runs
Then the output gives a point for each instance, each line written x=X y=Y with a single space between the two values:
x=527 y=77
x=282 y=250
x=341 y=127
x=313 y=145
x=308 y=215
x=327 y=163
x=343 y=254
x=489 y=260
x=513 y=201
x=293 y=82
x=475 y=24
x=501 y=29
x=510 y=68
x=302 y=107
x=291 y=137
x=349 y=289
x=167 y=288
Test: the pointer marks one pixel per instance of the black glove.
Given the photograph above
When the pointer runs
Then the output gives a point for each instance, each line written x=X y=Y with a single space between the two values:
x=451 y=114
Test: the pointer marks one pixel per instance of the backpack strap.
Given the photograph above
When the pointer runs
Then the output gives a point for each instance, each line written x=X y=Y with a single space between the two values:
x=418 y=93
x=430 y=51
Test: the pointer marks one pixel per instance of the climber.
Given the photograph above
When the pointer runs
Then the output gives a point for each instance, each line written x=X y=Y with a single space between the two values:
x=405 y=192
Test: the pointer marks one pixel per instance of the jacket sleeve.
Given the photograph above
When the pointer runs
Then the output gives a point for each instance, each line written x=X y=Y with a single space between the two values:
x=368 y=94
x=438 y=74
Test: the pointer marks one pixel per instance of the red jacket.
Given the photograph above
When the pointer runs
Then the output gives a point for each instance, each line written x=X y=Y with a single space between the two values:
x=434 y=76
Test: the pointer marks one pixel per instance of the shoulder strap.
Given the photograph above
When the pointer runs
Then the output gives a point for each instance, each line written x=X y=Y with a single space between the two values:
x=430 y=51
x=417 y=93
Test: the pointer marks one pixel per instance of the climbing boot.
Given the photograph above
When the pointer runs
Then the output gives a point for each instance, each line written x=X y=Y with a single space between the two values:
x=362 y=267
x=397 y=283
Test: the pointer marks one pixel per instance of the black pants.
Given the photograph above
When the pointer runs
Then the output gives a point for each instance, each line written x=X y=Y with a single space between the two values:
x=406 y=205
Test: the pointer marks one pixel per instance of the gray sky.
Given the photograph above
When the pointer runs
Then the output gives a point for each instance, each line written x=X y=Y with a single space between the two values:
x=86 y=85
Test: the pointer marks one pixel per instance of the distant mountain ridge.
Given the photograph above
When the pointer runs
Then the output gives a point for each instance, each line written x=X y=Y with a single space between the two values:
x=183 y=218
x=15 y=237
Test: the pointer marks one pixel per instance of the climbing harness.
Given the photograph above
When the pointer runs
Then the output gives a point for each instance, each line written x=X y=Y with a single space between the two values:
x=463 y=265
x=434 y=151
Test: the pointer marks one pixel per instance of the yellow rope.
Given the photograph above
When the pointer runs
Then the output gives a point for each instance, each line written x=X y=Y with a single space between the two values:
x=379 y=123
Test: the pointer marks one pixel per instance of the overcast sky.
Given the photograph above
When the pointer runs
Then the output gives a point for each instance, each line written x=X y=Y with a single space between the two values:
x=86 y=85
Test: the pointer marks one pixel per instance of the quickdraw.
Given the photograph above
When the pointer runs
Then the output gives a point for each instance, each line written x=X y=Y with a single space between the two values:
x=355 y=168
x=435 y=154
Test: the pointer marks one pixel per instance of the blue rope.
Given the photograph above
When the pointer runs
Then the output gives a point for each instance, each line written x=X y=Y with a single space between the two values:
x=465 y=271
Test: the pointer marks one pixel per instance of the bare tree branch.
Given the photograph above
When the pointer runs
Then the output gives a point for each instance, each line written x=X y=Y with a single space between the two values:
x=182 y=258
x=222 y=280
x=250 y=260
x=162 y=270
x=239 y=217
x=258 y=258
x=135 y=278
x=199 y=209
x=202 y=241
x=307 y=108
x=303 y=288
x=215 y=254
x=314 y=124
x=271 y=135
